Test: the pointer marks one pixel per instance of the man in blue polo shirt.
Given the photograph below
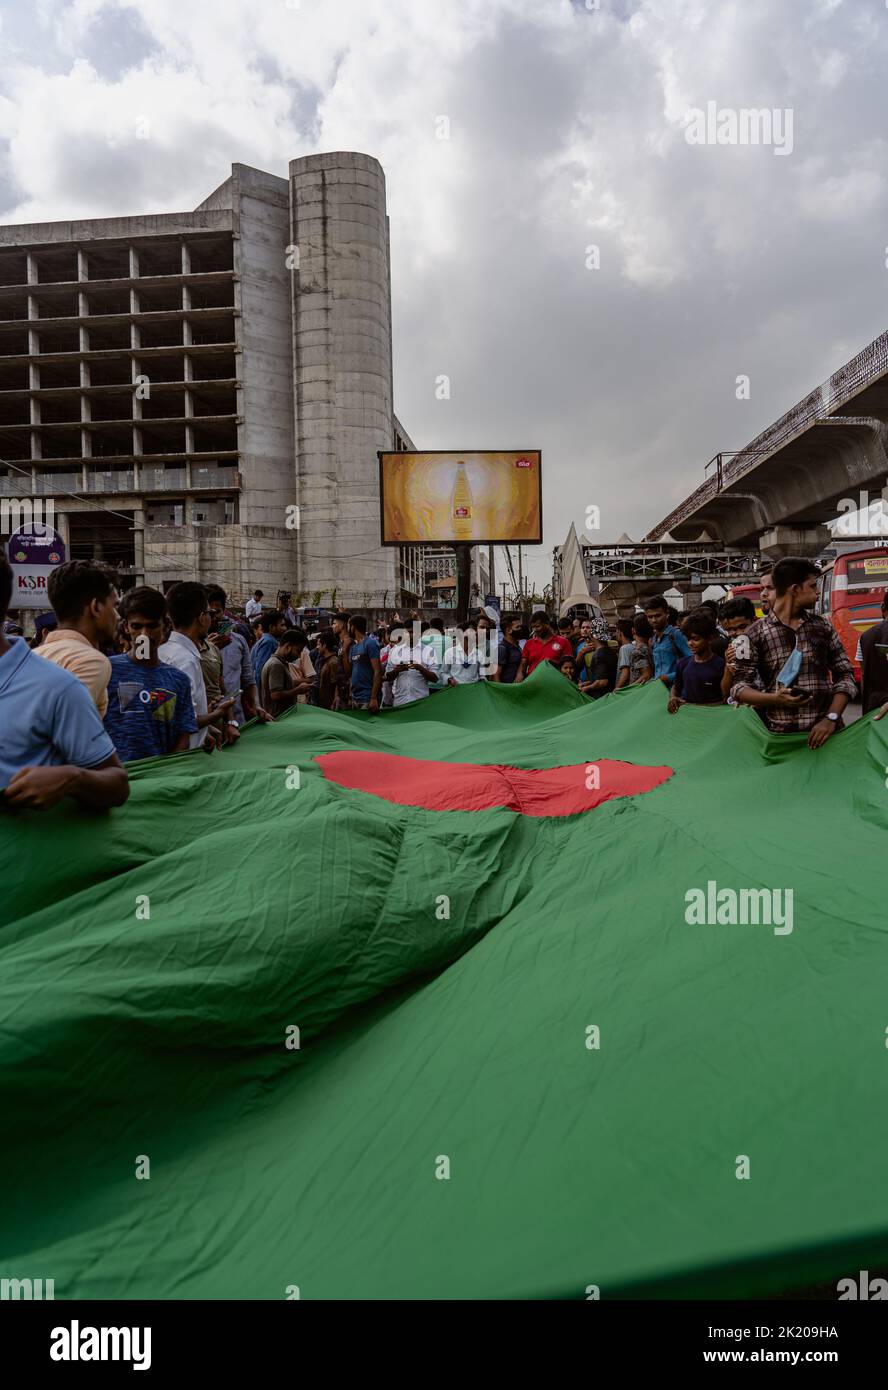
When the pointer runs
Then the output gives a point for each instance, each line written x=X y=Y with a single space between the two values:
x=53 y=742
x=366 y=667
x=274 y=625
x=668 y=644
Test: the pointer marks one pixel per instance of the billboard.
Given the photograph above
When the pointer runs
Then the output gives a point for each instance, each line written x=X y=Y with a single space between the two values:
x=462 y=497
x=33 y=552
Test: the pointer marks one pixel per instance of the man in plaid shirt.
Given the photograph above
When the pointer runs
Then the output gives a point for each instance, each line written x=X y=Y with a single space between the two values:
x=825 y=682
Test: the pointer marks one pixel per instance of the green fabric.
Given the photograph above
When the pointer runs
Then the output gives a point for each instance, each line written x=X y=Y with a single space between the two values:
x=316 y=907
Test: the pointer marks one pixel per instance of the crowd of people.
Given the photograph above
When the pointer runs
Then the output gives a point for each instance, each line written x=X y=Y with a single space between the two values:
x=112 y=678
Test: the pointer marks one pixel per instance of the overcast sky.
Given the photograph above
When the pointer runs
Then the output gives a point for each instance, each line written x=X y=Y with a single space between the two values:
x=568 y=129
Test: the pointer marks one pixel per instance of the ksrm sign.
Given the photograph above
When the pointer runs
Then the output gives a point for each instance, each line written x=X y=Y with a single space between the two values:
x=34 y=549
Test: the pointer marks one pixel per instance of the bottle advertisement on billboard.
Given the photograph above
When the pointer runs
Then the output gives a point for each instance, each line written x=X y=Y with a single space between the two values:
x=461 y=497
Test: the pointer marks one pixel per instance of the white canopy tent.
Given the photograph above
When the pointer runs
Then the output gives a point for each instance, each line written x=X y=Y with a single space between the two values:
x=574 y=585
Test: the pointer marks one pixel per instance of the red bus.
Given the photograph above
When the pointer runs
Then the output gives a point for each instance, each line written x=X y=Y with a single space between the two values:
x=751 y=591
x=852 y=587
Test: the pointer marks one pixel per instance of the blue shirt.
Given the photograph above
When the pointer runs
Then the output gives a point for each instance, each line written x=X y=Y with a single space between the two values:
x=47 y=716
x=264 y=648
x=361 y=654
x=668 y=647
x=148 y=708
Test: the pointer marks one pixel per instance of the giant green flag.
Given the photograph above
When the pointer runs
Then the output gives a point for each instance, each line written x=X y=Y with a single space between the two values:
x=505 y=994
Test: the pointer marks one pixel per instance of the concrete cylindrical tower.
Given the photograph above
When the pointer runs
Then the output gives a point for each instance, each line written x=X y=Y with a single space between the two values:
x=342 y=364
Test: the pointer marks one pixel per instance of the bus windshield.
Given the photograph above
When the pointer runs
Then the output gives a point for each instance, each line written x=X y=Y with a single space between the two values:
x=851 y=594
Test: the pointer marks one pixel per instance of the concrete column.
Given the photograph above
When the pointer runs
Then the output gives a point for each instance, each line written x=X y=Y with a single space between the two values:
x=803 y=541
x=139 y=539
x=82 y=265
x=341 y=310
x=32 y=269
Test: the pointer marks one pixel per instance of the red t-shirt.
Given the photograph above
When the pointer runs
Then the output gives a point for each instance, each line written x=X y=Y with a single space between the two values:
x=554 y=649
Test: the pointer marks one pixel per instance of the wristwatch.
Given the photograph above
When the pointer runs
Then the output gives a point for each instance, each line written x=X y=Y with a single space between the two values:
x=833 y=718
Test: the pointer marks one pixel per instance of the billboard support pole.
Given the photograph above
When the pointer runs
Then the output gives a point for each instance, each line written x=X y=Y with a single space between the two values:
x=463 y=555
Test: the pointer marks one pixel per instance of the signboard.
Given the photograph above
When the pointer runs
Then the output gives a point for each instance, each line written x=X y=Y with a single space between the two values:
x=33 y=552
x=461 y=498
x=873 y=569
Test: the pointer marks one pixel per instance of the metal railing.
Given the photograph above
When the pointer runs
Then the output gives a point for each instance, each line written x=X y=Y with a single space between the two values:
x=698 y=567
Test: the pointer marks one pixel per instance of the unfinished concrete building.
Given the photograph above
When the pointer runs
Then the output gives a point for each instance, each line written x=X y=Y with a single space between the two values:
x=203 y=394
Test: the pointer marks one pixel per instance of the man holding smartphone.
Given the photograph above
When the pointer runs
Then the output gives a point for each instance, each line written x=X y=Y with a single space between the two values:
x=409 y=670
x=237 y=670
x=825 y=681
x=191 y=617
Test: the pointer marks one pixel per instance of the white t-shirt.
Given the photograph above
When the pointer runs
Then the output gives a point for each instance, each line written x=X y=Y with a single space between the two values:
x=410 y=685
x=465 y=667
x=181 y=652
x=252 y=608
